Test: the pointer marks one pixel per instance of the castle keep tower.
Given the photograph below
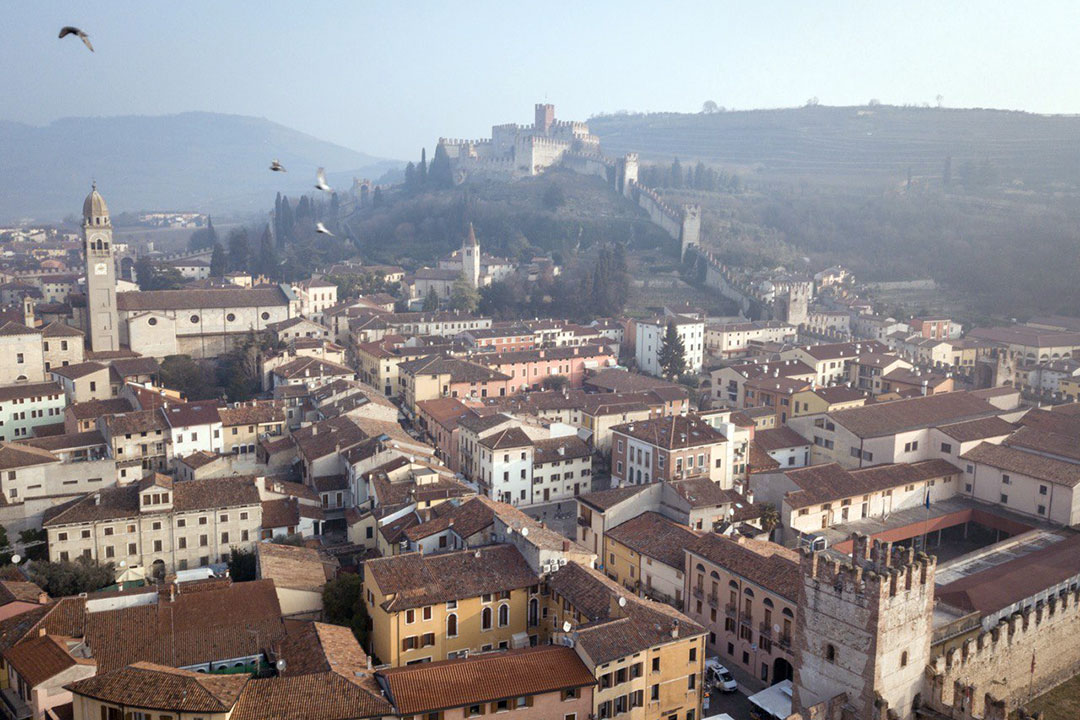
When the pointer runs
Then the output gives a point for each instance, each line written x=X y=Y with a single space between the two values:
x=863 y=638
x=470 y=258
x=545 y=118
x=102 y=321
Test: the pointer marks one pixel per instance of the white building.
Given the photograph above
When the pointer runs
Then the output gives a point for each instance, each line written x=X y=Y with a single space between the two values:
x=25 y=406
x=193 y=427
x=650 y=340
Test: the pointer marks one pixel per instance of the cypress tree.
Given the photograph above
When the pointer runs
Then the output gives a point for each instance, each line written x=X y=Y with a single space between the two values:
x=421 y=169
x=217 y=261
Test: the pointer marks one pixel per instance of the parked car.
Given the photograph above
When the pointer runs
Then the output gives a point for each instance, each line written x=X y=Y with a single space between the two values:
x=719 y=676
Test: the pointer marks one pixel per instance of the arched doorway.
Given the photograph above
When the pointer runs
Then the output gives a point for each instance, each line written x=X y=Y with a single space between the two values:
x=157 y=570
x=782 y=670
x=534 y=612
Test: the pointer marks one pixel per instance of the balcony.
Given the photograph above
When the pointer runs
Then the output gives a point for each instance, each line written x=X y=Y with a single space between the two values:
x=731 y=610
x=583 y=522
x=765 y=629
x=699 y=592
x=714 y=601
x=785 y=643
x=746 y=619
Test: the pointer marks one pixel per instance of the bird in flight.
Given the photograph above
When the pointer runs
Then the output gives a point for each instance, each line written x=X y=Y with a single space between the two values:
x=69 y=30
x=320 y=181
x=321 y=229
x=277 y=167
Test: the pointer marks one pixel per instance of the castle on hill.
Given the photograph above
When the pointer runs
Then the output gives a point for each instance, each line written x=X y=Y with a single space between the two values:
x=521 y=150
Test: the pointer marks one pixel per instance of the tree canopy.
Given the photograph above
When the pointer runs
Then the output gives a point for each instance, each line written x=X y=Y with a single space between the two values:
x=672 y=353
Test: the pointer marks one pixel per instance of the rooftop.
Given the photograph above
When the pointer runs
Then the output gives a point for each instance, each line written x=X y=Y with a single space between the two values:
x=887 y=418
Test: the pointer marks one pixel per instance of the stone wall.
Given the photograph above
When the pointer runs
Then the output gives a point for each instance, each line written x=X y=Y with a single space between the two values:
x=1024 y=656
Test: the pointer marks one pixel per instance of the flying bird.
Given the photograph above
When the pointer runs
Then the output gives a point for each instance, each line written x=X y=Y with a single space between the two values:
x=321 y=229
x=320 y=181
x=277 y=167
x=69 y=30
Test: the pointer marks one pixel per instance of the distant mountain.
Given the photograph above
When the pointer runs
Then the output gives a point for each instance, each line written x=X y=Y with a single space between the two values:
x=857 y=144
x=192 y=161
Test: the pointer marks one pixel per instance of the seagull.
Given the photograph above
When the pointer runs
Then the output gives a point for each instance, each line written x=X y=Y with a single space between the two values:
x=69 y=30
x=321 y=229
x=320 y=181
x=277 y=167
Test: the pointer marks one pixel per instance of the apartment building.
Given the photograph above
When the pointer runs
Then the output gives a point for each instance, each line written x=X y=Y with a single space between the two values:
x=158 y=524
x=436 y=376
x=27 y=406
x=831 y=362
x=649 y=341
x=668 y=448
x=645 y=555
x=426 y=608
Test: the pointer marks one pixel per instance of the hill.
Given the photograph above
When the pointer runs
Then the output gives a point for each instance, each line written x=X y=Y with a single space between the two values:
x=192 y=161
x=857 y=144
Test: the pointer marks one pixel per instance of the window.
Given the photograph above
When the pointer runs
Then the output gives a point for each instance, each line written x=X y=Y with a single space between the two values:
x=691 y=681
x=693 y=655
x=656 y=664
x=485 y=619
x=1042 y=509
x=1004 y=499
x=903 y=659
x=410 y=617
x=451 y=625
x=181 y=543
x=1005 y=479
x=504 y=615
x=1042 y=489
x=946 y=447
x=830 y=653
x=427 y=612
x=224 y=538
x=194 y=319
x=132 y=548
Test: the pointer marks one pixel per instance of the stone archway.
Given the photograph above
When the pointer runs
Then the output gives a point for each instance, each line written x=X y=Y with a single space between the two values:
x=782 y=670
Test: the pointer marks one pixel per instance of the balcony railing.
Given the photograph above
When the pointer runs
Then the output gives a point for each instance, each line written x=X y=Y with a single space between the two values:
x=583 y=522
x=714 y=601
x=731 y=610
x=765 y=629
x=785 y=642
x=746 y=619
x=698 y=592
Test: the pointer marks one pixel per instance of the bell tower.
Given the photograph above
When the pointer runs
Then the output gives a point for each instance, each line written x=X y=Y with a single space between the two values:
x=102 y=321
x=470 y=258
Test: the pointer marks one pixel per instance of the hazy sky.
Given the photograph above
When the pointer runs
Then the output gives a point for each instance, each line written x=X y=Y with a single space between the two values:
x=388 y=77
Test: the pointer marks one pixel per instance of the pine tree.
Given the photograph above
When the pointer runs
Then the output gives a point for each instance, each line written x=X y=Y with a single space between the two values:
x=672 y=354
x=431 y=302
x=217 y=261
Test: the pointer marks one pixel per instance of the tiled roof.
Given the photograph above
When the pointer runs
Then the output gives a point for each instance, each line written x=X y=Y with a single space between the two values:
x=512 y=437
x=429 y=687
x=74 y=372
x=296 y=568
x=196 y=627
x=17 y=456
x=303 y=367
x=466 y=519
x=252 y=414
x=14 y=328
x=59 y=329
x=198 y=299
x=703 y=492
x=188 y=414
x=136 y=421
x=478 y=422
x=825 y=483
x=458 y=370
x=846 y=349
x=779 y=438
x=96 y=408
x=653 y=535
x=1022 y=462
x=445 y=411
x=40 y=658
x=113 y=503
x=839 y=394
x=20 y=591
x=980 y=429
x=672 y=433
x=612 y=631
x=606 y=499
x=896 y=416
x=159 y=687
x=764 y=563
x=416 y=580
x=560 y=448
x=513 y=357
x=29 y=390
x=318 y=696
x=66 y=441
x=615 y=380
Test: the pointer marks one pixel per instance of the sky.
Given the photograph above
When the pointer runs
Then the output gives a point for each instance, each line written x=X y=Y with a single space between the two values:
x=387 y=78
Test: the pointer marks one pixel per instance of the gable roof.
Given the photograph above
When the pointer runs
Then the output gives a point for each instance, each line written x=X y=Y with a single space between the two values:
x=201 y=298
x=887 y=418
x=159 y=687
x=40 y=658
x=764 y=563
x=653 y=535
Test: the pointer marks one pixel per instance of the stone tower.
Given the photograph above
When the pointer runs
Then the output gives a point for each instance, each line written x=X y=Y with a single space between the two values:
x=470 y=258
x=102 y=321
x=690 y=228
x=545 y=118
x=864 y=631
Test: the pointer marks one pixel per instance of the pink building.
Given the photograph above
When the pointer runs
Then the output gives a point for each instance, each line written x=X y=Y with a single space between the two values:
x=528 y=368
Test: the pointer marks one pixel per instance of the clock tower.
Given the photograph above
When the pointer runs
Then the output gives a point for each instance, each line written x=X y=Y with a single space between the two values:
x=101 y=317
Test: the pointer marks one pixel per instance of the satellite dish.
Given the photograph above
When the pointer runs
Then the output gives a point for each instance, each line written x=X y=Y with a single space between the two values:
x=280 y=664
x=776 y=628
x=16 y=559
x=622 y=601
x=566 y=626
x=123 y=563
x=524 y=532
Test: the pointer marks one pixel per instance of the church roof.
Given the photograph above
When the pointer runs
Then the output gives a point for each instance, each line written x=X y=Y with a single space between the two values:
x=94 y=205
x=471 y=239
x=201 y=298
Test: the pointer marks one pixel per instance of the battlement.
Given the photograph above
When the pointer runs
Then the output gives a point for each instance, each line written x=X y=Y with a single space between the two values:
x=543 y=140
x=594 y=157
x=876 y=569
x=459 y=142
x=655 y=197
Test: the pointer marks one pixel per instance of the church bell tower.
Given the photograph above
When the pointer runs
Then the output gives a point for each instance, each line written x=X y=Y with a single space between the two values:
x=470 y=258
x=102 y=321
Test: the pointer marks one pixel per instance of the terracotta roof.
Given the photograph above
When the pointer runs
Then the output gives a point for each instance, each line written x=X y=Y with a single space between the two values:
x=612 y=631
x=59 y=329
x=560 y=448
x=303 y=367
x=40 y=658
x=887 y=418
x=159 y=687
x=779 y=438
x=66 y=441
x=845 y=349
x=839 y=394
x=466 y=519
x=445 y=411
x=512 y=437
x=252 y=414
x=606 y=499
x=672 y=433
x=653 y=535
x=318 y=696
x=17 y=456
x=825 y=483
x=21 y=591
x=136 y=421
x=96 y=408
x=27 y=390
x=458 y=370
x=703 y=492
x=1022 y=462
x=296 y=568
x=188 y=414
x=113 y=503
x=977 y=429
x=428 y=687
x=198 y=299
x=764 y=563
x=415 y=580
x=513 y=357
x=616 y=380
x=1001 y=586
x=14 y=328
x=74 y=372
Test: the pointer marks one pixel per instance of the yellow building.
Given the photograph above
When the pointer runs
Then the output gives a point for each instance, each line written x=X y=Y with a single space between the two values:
x=1070 y=389
x=647 y=657
x=826 y=399
x=446 y=606
x=645 y=555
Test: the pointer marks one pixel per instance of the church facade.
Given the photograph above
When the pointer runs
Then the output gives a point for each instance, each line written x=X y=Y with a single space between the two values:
x=203 y=322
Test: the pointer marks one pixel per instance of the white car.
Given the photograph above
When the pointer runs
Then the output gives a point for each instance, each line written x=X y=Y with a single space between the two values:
x=719 y=676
